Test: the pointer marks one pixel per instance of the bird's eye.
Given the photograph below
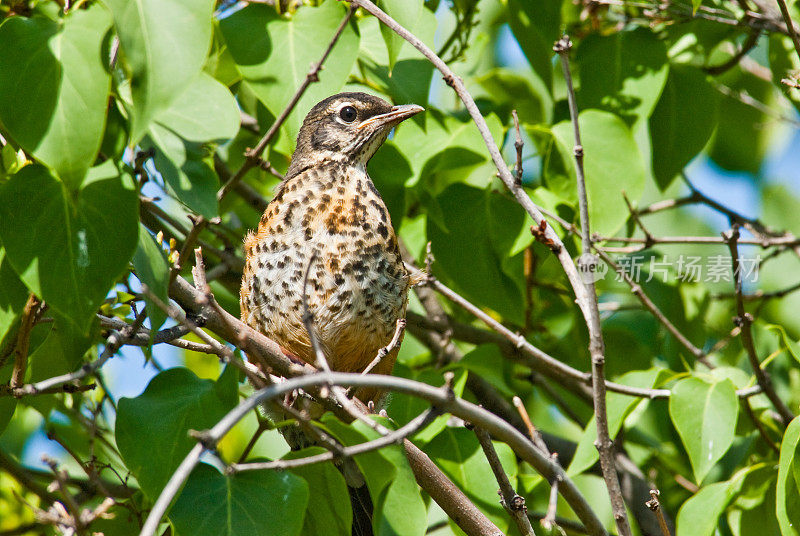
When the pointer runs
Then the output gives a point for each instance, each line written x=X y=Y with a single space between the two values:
x=348 y=114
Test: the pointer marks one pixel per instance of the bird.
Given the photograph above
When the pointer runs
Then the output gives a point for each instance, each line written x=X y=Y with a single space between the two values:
x=325 y=243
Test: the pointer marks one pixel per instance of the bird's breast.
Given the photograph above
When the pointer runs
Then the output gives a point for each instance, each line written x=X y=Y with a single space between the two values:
x=335 y=227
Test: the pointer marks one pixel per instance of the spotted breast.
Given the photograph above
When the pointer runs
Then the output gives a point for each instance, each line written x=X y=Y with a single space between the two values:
x=327 y=217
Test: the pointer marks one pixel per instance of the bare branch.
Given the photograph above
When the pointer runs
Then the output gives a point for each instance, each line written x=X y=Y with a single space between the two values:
x=787 y=18
x=59 y=383
x=604 y=444
x=518 y=348
x=394 y=437
x=745 y=321
x=442 y=398
x=513 y=503
x=654 y=504
x=518 y=145
x=23 y=341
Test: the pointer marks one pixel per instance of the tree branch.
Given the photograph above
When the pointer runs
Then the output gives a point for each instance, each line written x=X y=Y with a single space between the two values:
x=587 y=261
x=745 y=321
x=513 y=503
x=442 y=398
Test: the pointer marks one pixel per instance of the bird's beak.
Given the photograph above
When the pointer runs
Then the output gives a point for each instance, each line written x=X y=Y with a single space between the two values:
x=396 y=115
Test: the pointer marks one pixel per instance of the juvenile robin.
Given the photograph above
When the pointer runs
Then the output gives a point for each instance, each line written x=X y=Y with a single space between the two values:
x=328 y=217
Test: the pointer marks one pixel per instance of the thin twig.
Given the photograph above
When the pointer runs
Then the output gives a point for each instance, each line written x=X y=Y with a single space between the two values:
x=787 y=18
x=511 y=501
x=603 y=443
x=72 y=506
x=552 y=503
x=23 y=341
x=529 y=354
x=394 y=437
x=762 y=431
x=389 y=348
x=745 y=321
x=733 y=61
x=654 y=504
x=113 y=342
x=536 y=437
x=253 y=156
x=518 y=145
x=648 y=237
x=639 y=292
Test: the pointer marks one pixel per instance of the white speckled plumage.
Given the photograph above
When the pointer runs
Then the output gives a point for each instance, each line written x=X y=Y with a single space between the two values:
x=328 y=208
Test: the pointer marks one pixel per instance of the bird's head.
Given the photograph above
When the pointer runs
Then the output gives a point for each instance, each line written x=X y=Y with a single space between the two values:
x=347 y=127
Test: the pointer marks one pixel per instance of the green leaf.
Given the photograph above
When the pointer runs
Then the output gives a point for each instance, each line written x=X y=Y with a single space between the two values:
x=784 y=63
x=443 y=150
x=742 y=136
x=623 y=73
x=410 y=78
x=186 y=169
x=479 y=228
x=205 y=111
x=390 y=170
x=405 y=12
x=55 y=88
x=58 y=242
x=164 y=44
x=458 y=454
x=152 y=270
x=788 y=500
x=512 y=91
x=618 y=407
x=274 y=54
x=152 y=429
x=62 y=350
x=398 y=506
x=487 y=362
x=537 y=25
x=243 y=504
x=699 y=515
x=792 y=347
x=705 y=416
x=329 y=509
x=13 y=296
x=403 y=408
x=681 y=127
x=613 y=164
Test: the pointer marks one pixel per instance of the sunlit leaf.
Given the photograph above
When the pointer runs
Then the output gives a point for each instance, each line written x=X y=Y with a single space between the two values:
x=705 y=416
x=164 y=45
x=55 y=88
x=57 y=241
x=613 y=165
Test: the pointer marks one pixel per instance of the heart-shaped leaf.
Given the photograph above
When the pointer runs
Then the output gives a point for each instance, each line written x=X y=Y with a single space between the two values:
x=153 y=446
x=69 y=248
x=245 y=504
x=61 y=68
